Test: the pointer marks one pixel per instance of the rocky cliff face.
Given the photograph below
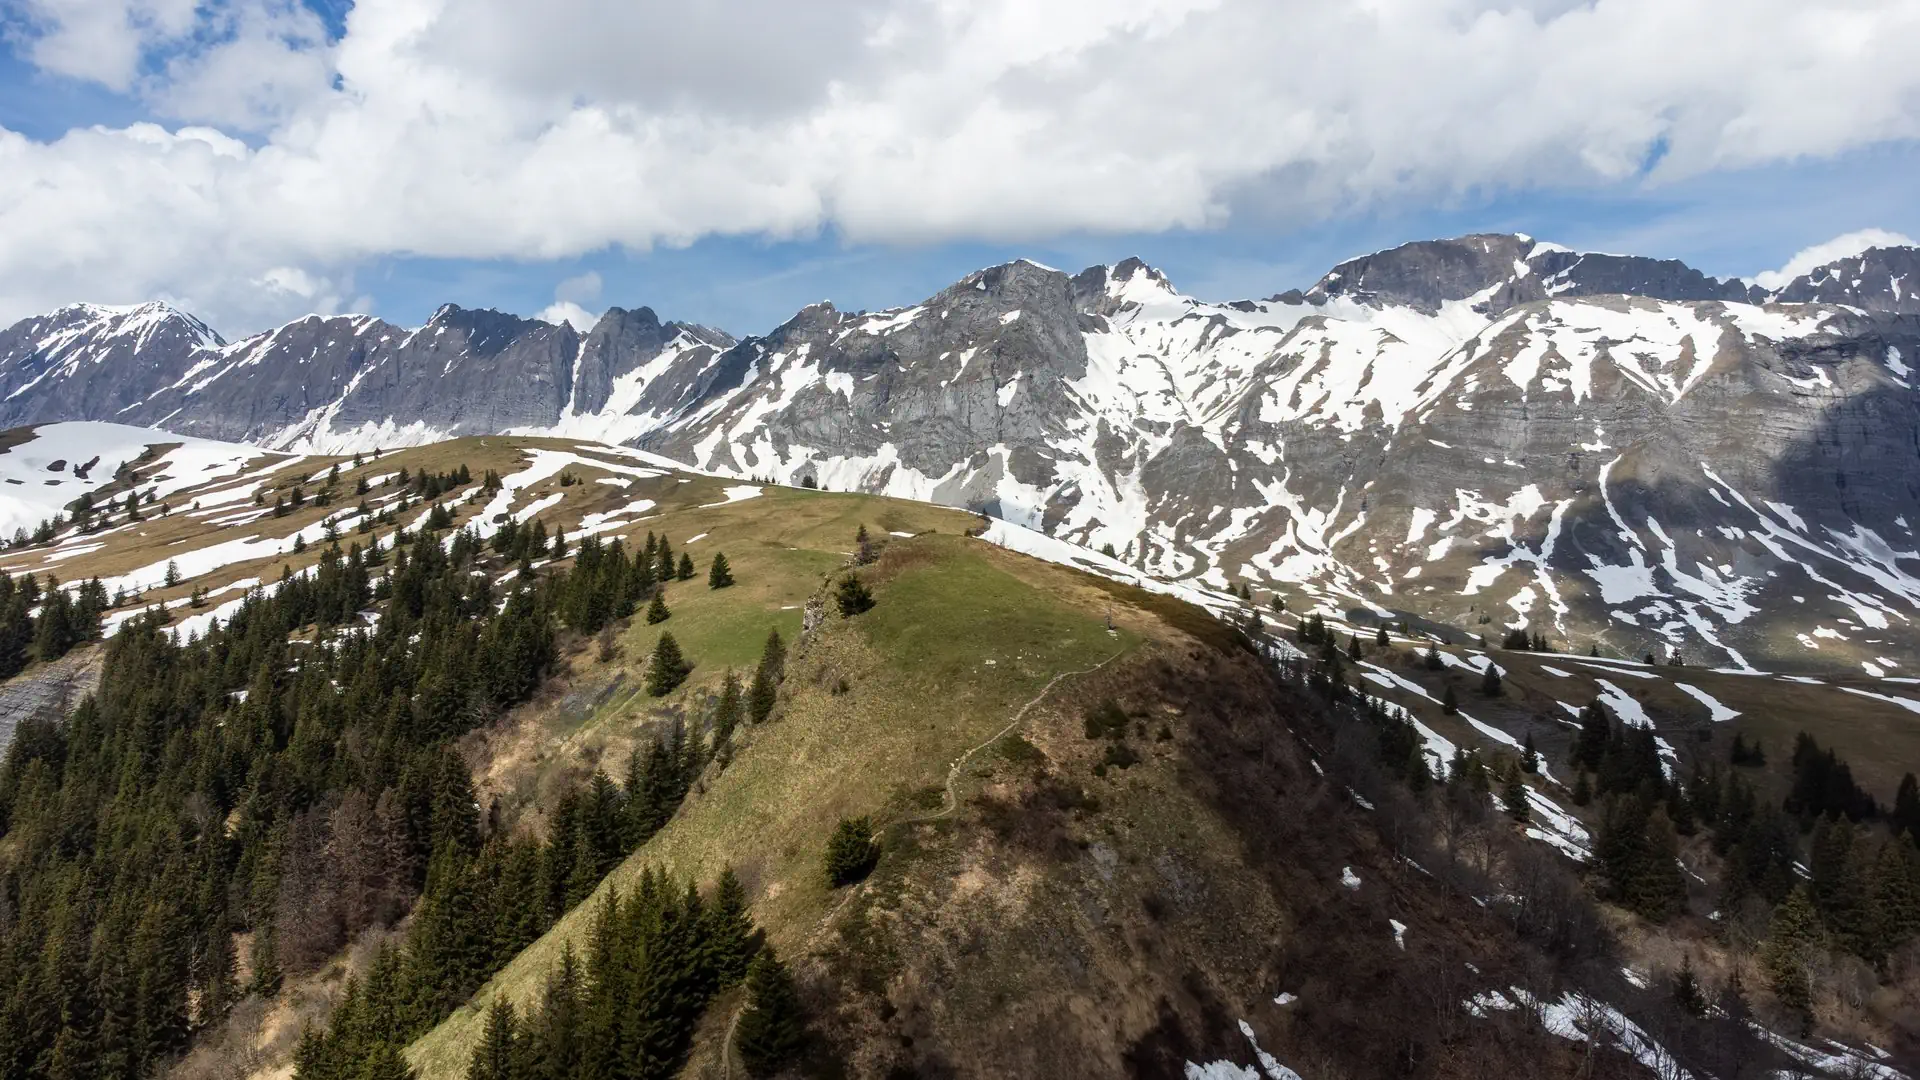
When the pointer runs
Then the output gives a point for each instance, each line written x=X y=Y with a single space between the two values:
x=1489 y=430
x=343 y=381
x=91 y=362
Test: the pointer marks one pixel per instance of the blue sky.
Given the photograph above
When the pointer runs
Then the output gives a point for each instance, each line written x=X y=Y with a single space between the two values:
x=255 y=159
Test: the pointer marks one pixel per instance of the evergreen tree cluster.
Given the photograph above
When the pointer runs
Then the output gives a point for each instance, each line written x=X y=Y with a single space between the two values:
x=43 y=533
x=1861 y=894
x=480 y=909
x=1863 y=897
x=426 y=485
x=654 y=960
x=1643 y=814
x=606 y=584
x=521 y=542
x=242 y=782
x=1823 y=786
x=1622 y=758
x=67 y=618
x=1520 y=640
x=1402 y=749
x=1638 y=857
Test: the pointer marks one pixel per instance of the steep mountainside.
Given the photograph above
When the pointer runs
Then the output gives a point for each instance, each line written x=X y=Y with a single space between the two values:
x=349 y=380
x=1489 y=431
x=1123 y=828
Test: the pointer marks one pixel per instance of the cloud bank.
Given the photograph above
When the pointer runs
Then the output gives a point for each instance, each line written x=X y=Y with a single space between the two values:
x=282 y=158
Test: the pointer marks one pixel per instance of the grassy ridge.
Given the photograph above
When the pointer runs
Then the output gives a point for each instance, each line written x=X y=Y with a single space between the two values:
x=874 y=711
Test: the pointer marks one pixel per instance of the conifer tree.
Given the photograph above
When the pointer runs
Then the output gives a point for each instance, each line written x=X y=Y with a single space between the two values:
x=1894 y=896
x=1794 y=942
x=731 y=941
x=657 y=610
x=1596 y=729
x=497 y=1056
x=1353 y=647
x=385 y=1062
x=16 y=632
x=761 y=695
x=266 y=963
x=852 y=851
x=1381 y=639
x=1637 y=854
x=1490 y=681
x=555 y=1033
x=1419 y=776
x=1513 y=799
x=1479 y=778
x=1432 y=658
x=1659 y=890
x=1449 y=700
x=1529 y=755
x=663 y=564
x=1838 y=884
x=1906 y=807
x=720 y=575
x=773 y=655
x=772 y=1030
x=668 y=668
x=729 y=710
x=686 y=567
x=1686 y=989
x=853 y=596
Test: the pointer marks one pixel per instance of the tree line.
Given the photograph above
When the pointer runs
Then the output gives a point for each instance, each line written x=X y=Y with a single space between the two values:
x=290 y=775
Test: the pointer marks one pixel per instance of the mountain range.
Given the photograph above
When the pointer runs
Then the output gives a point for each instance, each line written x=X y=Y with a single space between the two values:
x=1490 y=431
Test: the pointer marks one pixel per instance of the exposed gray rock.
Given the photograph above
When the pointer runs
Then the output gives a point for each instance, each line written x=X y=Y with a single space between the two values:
x=49 y=690
x=1486 y=429
x=1879 y=279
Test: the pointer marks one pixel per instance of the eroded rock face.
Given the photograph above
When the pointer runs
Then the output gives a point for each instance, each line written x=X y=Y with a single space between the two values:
x=50 y=690
x=1485 y=429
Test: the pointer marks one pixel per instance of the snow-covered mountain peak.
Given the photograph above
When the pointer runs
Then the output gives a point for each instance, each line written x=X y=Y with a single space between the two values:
x=1488 y=430
x=141 y=322
x=1132 y=281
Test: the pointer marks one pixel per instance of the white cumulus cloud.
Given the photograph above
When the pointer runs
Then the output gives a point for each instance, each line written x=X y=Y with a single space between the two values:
x=566 y=311
x=1840 y=247
x=569 y=299
x=501 y=129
